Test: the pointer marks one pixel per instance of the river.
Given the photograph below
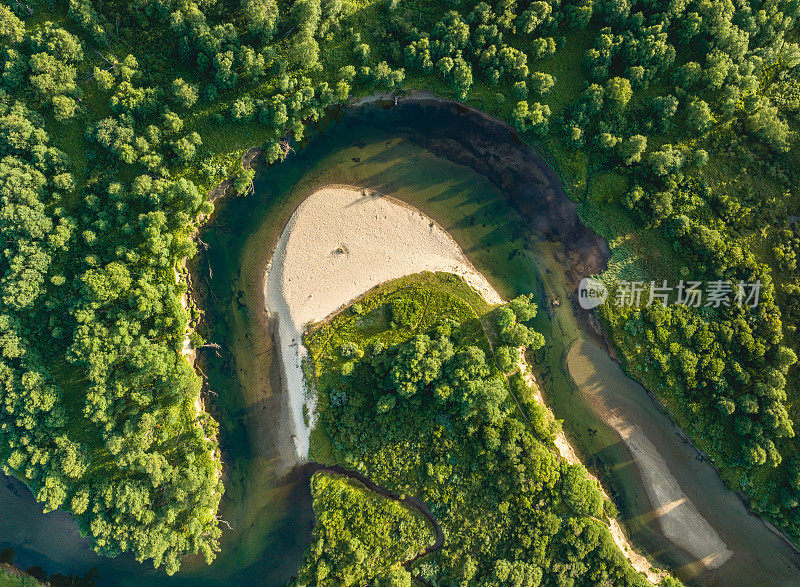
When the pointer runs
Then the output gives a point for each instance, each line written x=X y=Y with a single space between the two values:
x=506 y=209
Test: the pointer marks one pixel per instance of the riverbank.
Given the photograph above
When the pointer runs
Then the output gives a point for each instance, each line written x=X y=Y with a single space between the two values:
x=13 y=577
x=675 y=512
x=340 y=242
x=688 y=500
x=492 y=148
x=638 y=561
x=595 y=333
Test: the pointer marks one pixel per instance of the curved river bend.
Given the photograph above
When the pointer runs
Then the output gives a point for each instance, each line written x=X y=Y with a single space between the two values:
x=509 y=214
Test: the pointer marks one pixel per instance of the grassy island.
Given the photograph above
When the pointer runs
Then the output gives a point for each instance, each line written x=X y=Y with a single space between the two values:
x=415 y=385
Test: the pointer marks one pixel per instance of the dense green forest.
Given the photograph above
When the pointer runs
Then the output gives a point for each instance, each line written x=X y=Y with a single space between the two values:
x=359 y=536
x=673 y=123
x=414 y=394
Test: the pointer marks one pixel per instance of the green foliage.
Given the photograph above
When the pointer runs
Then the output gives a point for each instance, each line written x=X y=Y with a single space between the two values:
x=10 y=577
x=507 y=358
x=698 y=116
x=350 y=350
x=541 y=83
x=618 y=89
x=86 y=18
x=510 y=325
x=243 y=181
x=184 y=94
x=531 y=117
x=424 y=413
x=404 y=312
x=579 y=492
x=261 y=18
x=419 y=363
x=12 y=28
x=98 y=413
x=359 y=536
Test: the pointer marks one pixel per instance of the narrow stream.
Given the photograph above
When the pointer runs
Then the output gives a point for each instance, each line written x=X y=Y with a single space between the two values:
x=410 y=502
x=509 y=214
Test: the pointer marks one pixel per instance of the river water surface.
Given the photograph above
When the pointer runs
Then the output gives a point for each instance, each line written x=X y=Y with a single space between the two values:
x=509 y=214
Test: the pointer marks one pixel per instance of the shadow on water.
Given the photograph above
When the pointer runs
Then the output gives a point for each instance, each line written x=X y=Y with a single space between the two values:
x=508 y=212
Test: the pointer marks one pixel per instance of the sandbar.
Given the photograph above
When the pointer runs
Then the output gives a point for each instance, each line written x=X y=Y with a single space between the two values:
x=339 y=243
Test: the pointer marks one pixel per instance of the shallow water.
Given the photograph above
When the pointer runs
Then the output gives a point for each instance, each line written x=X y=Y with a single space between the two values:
x=517 y=229
x=759 y=557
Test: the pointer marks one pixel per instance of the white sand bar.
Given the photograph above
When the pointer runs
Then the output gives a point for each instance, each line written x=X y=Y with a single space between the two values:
x=340 y=242
x=678 y=517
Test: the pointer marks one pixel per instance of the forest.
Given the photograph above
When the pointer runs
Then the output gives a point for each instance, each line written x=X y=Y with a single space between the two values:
x=672 y=124
x=414 y=395
x=359 y=537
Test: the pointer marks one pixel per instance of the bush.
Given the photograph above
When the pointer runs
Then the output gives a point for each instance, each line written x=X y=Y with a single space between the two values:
x=386 y=403
x=507 y=358
x=350 y=350
x=196 y=340
x=404 y=312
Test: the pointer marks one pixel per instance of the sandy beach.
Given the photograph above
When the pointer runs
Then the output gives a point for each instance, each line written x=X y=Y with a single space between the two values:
x=674 y=510
x=340 y=242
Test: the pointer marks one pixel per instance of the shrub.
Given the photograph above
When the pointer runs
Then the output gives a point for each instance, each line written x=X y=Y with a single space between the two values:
x=507 y=358
x=350 y=350
x=386 y=403
x=404 y=312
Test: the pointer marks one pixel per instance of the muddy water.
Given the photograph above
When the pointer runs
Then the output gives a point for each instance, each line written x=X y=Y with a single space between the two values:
x=511 y=218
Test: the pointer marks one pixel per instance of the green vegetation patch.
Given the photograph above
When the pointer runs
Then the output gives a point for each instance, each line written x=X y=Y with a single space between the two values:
x=359 y=536
x=393 y=312
x=422 y=409
x=11 y=577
